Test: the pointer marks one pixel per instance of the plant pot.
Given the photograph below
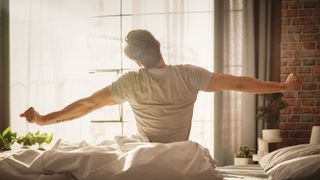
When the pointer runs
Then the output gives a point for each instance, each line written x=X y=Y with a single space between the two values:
x=271 y=135
x=6 y=147
x=242 y=161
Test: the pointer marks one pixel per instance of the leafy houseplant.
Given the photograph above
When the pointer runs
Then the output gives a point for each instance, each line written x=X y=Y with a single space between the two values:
x=270 y=112
x=31 y=139
x=7 y=138
x=42 y=138
x=243 y=156
x=243 y=152
x=26 y=141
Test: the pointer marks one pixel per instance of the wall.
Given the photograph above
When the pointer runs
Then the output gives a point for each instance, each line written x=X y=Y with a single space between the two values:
x=4 y=64
x=300 y=53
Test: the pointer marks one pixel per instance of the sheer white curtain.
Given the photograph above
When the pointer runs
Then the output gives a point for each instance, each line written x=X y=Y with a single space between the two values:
x=63 y=50
x=54 y=45
x=235 y=123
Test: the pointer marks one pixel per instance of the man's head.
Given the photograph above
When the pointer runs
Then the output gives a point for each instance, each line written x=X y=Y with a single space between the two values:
x=143 y=48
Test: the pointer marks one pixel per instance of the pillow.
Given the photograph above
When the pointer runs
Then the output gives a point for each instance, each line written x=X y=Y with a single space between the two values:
x=284 y=154
x=307 y=168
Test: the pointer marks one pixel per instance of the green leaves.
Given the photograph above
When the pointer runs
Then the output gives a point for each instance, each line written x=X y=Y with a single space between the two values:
x=7 y=138
x=269 y=113
x=38 y=138
x=27 y=140
x=243 y=152
x=42 y=138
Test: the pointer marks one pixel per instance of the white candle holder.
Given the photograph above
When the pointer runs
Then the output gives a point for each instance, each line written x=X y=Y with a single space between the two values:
x=315 y=135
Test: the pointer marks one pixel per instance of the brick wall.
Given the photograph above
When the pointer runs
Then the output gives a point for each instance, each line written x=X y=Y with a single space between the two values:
x=300 y=53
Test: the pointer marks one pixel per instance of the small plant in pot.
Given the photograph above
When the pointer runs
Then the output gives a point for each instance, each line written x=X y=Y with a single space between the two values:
x=270 y=116
x=7 y=138
x=42 y=138
x=26 y=141
x=31 y=139
x=243 y=156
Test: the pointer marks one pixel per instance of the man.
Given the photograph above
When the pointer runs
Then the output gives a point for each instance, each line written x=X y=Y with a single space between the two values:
x=162 y=96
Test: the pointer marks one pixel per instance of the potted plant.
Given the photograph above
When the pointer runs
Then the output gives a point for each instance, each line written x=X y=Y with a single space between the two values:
x=26 y=141
x=269 y=113
x=42 y=138
x=31 y=139
x=7 y=138
x=243 y=156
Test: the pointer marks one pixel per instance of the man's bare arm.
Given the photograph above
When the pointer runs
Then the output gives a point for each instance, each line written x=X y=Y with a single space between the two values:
x=77 y=109
x=220 y=82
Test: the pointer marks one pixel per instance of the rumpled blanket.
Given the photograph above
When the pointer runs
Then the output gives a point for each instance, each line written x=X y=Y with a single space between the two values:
x=124 y=157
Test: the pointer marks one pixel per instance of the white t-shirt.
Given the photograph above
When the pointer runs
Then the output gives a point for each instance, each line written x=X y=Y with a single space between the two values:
x=162 y=99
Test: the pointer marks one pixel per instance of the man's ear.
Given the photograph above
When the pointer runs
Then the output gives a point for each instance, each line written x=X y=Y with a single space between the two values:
x=139 y=64
x=158 y=43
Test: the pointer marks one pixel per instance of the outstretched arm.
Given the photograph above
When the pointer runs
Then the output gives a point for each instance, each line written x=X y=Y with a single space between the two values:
x=220 y=82
x=77 y=109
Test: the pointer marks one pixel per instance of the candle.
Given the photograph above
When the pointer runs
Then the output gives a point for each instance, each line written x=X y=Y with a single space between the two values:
x=263 y=147
x=315 y=135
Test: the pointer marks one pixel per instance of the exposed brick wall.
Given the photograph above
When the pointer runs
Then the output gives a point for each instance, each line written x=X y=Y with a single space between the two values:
x=300 y=53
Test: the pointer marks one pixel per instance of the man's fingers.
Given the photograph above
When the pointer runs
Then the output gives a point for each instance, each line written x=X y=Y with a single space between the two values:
x=28 y=114
x=297 y=81
x=293 y=82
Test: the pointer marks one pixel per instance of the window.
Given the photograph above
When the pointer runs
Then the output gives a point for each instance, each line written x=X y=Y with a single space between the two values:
x=63 y=50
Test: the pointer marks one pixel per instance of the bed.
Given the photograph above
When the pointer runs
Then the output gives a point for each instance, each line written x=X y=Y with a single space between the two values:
x=247 y=172
x=127 y=158
x=300 y=162
x=134 y=158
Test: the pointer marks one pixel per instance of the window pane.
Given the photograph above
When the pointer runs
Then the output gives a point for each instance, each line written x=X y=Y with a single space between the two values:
x=196 y=5
x=199 y=41
x=143 y=7
x=104 y=43
x=89 y=8
x=35 y=10
x=202 y=123
x=202 y=132
x=103 y=131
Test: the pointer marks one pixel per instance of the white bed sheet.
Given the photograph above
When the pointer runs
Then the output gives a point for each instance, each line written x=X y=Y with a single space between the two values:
x=124 y=158
x=245 y=172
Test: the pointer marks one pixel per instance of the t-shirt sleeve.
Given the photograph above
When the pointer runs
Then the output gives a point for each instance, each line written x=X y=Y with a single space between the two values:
x=120 y=88
x=199 y=77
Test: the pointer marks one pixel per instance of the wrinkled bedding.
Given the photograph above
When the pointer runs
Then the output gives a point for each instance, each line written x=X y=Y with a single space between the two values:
x=305 y=167
x=250 y=172
x=294 y=162
x=122 y=158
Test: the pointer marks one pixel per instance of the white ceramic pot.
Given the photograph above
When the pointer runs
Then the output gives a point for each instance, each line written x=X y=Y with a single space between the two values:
x=271 y=135
x=242 y=161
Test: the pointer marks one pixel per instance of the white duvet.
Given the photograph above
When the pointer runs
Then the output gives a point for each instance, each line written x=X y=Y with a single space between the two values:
x=124 y=158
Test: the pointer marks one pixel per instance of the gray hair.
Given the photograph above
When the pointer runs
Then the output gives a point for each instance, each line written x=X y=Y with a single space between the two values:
x=142 y=46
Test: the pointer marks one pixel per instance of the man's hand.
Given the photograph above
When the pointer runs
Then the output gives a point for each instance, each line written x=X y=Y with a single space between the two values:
x=292 y=82
x=33 y=116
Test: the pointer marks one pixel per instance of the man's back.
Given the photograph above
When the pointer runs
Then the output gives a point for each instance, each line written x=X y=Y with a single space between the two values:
x=162 y=99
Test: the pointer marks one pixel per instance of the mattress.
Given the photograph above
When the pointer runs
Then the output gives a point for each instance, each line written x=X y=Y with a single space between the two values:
x=246 y=172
